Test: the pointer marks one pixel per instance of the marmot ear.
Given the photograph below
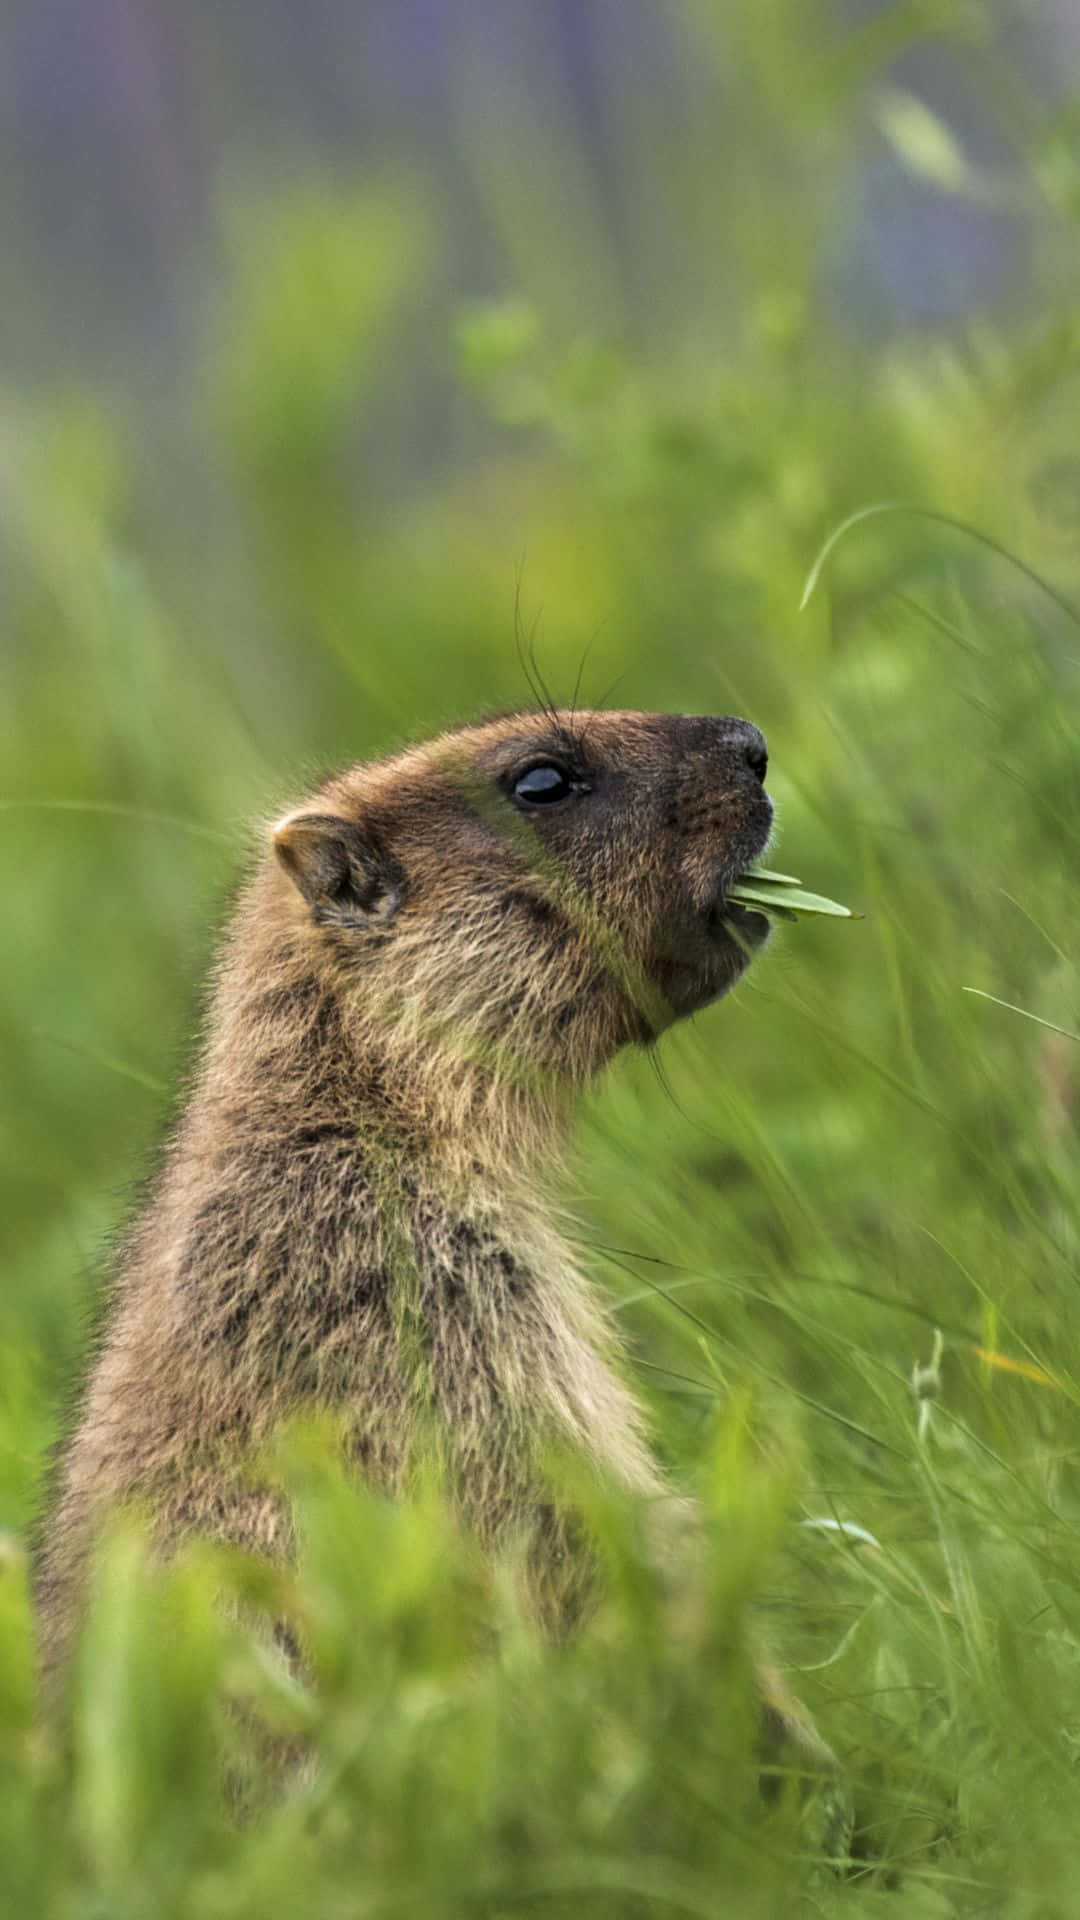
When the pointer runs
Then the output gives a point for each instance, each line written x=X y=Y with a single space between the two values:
x=342 y=872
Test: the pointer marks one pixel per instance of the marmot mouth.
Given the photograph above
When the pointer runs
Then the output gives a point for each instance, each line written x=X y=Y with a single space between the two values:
x=715 y=954
x=744 y=925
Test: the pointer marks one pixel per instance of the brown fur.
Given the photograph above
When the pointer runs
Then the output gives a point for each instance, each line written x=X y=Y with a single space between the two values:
x=357 y=1212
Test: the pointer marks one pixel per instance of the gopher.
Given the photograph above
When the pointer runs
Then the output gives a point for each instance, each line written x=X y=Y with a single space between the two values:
x=356 y=1213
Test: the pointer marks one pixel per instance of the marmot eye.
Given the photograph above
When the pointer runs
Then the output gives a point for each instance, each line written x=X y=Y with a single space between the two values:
x=540 y=785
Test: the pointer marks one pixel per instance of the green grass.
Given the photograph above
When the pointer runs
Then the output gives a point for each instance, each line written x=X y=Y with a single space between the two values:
x=839 y=1222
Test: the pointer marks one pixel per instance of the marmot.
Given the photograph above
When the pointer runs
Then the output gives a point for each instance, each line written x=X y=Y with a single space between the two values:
x=356 y=1212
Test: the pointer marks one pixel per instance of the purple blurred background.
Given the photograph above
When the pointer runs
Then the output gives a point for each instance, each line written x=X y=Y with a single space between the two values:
x=125 y=124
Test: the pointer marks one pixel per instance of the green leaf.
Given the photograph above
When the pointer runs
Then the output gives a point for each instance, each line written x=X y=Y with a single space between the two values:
x=785 y=898
x=778 y=879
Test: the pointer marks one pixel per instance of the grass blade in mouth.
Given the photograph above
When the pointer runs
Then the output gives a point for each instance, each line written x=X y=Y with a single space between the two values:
x=782 y=894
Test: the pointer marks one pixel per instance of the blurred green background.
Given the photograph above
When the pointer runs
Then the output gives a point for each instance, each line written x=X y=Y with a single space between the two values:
x=330 y=334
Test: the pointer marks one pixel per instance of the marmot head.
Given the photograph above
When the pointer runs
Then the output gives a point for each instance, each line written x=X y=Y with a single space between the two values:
x=543 y=886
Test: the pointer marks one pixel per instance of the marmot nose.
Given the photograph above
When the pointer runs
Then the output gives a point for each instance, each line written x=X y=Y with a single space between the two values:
x=749 y=742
